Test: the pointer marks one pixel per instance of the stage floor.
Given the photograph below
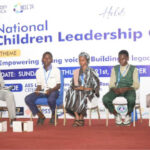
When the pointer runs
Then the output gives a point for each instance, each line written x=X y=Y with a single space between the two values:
x=95 y=137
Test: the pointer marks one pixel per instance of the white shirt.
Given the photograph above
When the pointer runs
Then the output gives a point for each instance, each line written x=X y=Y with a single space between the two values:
x=48 y=79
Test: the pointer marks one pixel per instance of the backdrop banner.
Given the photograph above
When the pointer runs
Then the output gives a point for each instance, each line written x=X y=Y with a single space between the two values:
x=28 y=28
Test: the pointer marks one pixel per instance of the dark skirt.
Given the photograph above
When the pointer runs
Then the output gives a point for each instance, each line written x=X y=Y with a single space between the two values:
x=76 y=101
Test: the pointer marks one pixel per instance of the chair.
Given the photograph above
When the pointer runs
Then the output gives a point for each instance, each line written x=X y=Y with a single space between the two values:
x=59 y=102
x=149 y=118
x=93 y=105
x=3 y=108
x=123 y=101
x=148 y=106
x=137 y=106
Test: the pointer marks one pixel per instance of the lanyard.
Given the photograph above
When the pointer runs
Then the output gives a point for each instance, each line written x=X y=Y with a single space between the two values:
x=47 y=77
x=82 y=79
x=121 y=74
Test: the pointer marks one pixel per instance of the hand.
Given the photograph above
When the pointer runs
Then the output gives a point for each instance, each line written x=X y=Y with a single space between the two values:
x=121 y=90
x=48 y=92
x=37 y=90
x=125 y=89
x=116 y=90
x=81 y=88
x=87 y=89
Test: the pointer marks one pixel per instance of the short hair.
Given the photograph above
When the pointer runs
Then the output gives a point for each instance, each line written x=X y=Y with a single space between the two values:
x=124 y=52
x=47 y=53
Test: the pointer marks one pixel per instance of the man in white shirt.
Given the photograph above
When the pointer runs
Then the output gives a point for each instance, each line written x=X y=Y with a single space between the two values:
x=8 y=97
x=48 y=81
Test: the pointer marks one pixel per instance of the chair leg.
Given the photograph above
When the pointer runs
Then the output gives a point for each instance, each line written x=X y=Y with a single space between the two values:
x=56 y=116
x=64 y=110
x=140 y=114
x=9 y=117
x=1 y=115
x=107 y=117
x=31 y=117
x=149 y=117
x=98 y=113
x=90 y=117
x=134 y=117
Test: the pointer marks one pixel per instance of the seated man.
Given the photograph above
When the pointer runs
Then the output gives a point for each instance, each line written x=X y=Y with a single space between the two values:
x=48 y=81
x=8 y=97
x=123 y=82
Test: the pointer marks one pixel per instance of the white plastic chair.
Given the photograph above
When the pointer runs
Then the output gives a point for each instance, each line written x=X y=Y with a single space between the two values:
x=93 y=105
x=147 y=101
x=3 y=107
x=123 y=101
x=137 y=106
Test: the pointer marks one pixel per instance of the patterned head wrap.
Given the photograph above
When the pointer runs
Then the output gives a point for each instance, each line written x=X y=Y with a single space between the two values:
x=86 y=55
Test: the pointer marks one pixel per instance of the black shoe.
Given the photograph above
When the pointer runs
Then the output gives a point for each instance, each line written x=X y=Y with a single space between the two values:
x=40 y=121
x=52 y=121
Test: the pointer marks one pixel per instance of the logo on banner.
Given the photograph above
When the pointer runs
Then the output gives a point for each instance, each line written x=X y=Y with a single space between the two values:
x=28 y=112
x=48 y=111
x=122 y=109
x=19 y=111
x=19 y=8
x=3 y=9
x=16 y=87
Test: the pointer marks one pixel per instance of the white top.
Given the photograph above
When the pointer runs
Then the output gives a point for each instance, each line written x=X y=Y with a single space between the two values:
x=48 y=79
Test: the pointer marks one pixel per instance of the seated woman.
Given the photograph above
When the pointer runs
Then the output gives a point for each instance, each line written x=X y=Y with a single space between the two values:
x=85 y=85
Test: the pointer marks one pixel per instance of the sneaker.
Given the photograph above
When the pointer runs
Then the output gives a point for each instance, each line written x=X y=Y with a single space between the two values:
x=52 y=120
x=40 y=121
x=127 y=120
x=118 y=119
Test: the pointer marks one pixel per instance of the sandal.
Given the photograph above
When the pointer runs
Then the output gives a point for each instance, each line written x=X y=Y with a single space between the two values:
x=76 y=123
x=81 y=122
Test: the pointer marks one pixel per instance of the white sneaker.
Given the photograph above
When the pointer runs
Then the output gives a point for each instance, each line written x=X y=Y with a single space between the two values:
x=127 y=120
x=118 y=119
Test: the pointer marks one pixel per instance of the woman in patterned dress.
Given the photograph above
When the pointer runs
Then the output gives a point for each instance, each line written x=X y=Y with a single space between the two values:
x=85 y=85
